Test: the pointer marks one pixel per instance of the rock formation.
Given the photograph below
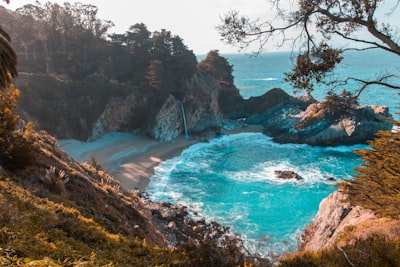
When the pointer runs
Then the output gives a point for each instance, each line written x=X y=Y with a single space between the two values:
x=303 y=120
x=201 y=101
x=287 y=175
x=95 y=106
x=334 y=215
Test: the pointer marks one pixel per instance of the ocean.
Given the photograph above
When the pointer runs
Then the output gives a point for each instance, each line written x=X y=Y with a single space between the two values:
x=231 y=178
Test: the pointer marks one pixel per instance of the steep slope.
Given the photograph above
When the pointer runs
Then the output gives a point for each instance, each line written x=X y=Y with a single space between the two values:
x=61 y=213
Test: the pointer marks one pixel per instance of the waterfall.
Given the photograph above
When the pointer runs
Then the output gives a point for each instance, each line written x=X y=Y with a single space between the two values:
x=184 y=121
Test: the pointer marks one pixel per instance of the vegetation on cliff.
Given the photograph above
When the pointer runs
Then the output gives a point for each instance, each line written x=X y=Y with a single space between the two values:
x=58 y=212
x=377 y=183
x=74 y=68
x=372 y=251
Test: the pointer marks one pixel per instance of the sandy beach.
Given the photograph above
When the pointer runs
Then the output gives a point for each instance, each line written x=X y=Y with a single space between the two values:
x=131 y=159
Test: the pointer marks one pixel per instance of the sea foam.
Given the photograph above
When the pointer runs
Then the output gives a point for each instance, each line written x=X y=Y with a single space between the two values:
x=231 y=180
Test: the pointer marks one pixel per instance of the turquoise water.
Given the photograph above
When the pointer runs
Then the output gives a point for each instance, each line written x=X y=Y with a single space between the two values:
x=231 y=179
x=256 y=75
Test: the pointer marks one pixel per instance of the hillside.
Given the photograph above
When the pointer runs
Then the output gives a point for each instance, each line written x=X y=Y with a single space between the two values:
x=89 y=220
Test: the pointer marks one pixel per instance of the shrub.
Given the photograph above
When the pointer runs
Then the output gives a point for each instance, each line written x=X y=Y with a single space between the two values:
x=55 y=180
x=371 y=251
x=340 y=104
x=95 y=164
x=16 y=145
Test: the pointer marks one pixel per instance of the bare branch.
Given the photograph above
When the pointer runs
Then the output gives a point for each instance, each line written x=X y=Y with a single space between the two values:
x=345 y=255
x=375 y=44
x=380 y=81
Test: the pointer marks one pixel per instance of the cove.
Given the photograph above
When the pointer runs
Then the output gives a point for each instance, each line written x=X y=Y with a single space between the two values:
x=231 y=180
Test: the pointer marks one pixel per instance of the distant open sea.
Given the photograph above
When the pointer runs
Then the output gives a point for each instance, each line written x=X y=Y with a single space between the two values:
x=231 y=179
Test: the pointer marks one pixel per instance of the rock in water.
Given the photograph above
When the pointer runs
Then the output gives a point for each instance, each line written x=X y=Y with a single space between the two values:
x=287 y=175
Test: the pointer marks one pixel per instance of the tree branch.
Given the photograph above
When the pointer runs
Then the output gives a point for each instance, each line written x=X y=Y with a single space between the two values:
x=380 y=81
x=345 y=255
x=369 y=24
x=375 y=44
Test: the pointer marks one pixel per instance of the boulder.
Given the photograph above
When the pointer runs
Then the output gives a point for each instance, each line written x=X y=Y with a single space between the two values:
x=168 y=121
x=287 y=175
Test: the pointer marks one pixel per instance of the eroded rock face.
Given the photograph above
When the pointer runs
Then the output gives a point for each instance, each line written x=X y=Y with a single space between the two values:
x=162 y=118
x=333 y=216
x=167 y=124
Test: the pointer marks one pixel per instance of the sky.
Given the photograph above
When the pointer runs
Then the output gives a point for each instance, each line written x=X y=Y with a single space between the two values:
x=193 y=20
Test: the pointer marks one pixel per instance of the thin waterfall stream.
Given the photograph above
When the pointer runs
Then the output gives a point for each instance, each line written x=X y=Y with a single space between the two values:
x=184 y=121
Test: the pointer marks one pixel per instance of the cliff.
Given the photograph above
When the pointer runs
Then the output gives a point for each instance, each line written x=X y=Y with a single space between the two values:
x=201 y=106
x=91 y=108
x=335 y=215
x=63 y=107
x=346 y=235
x=354 y=235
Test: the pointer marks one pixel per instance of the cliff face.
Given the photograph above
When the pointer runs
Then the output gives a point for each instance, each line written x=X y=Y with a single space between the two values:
x=95 y=106
x=334 y=216
x=205 y=104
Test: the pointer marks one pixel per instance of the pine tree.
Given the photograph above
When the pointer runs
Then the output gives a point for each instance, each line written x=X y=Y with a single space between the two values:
x=377 y=183
x=217 y=68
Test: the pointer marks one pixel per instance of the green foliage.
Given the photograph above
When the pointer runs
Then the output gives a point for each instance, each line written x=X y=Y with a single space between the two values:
x=95 y=164
x=217 y=68
x=17 y=146
x=342 y=104
x=376 y=185
x=313 y=66
x=70 y=38
x=218 y=248
x=374 y=251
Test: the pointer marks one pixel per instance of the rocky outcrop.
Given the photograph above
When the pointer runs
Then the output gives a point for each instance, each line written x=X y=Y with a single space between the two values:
x=313 y=123
x=168 y=122
x=162 y=118
x=335 y=214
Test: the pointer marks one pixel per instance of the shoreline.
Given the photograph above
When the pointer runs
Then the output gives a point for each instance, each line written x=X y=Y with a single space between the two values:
x=131 y=159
